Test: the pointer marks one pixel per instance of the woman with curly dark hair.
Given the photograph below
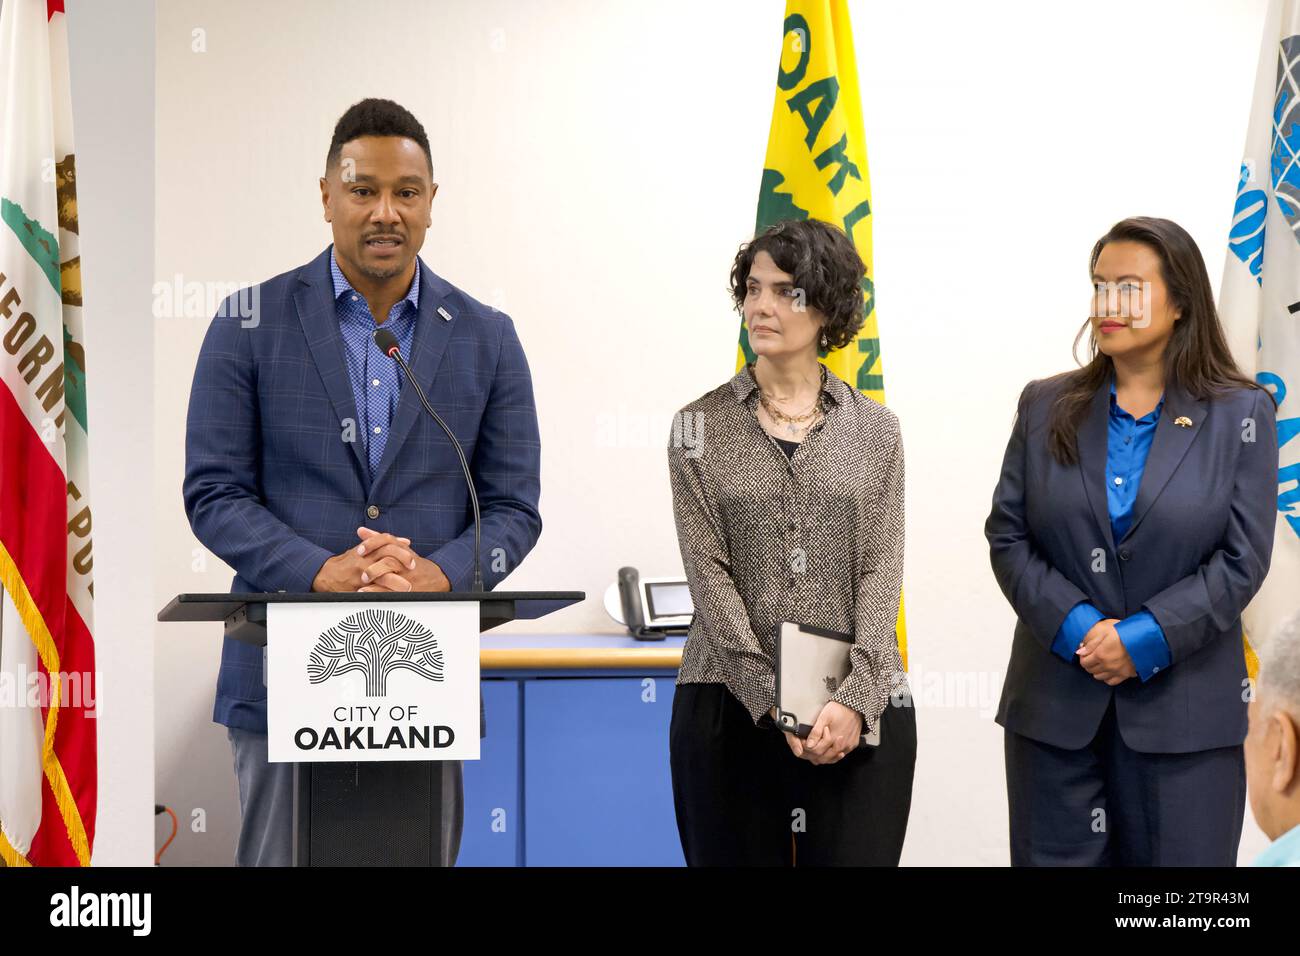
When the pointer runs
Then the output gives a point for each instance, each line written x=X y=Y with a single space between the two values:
x=1132 y=523
x=788 y=499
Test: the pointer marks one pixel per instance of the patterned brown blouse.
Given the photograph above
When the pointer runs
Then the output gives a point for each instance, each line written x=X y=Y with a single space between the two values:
x=815 y=538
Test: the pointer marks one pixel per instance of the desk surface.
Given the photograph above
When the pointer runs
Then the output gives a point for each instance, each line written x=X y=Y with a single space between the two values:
x=577 y=651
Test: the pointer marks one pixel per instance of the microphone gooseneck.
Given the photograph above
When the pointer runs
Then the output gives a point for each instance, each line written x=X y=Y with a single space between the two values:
x=387 y=343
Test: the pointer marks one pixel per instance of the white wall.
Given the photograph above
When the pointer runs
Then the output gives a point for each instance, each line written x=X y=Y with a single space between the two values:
x=112 y=71
x=598 y=165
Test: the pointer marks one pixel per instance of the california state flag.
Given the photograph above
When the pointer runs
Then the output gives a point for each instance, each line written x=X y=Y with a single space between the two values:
x=47 y=658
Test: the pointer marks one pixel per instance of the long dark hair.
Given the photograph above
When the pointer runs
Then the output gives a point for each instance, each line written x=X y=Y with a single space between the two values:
x=1196 y=356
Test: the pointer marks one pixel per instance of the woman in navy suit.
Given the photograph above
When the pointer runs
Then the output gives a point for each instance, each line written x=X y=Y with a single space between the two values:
x=1132 y=523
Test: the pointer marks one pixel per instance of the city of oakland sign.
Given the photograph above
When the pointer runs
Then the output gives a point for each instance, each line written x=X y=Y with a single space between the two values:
x=354 y=681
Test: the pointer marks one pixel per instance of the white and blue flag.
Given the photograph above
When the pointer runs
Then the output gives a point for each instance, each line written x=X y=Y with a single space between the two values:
x=1260 y=299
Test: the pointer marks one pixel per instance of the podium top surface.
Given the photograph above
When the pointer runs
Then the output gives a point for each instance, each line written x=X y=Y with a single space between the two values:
x=218 y=607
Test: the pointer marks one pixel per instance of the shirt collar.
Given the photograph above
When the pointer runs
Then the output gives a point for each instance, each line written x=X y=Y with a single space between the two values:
x=1284 y=851
x=833 y=387
x=342 y=285
x=1117 y=412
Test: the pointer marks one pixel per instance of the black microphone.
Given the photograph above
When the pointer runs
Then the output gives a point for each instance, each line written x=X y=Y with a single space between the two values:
x=387 y=343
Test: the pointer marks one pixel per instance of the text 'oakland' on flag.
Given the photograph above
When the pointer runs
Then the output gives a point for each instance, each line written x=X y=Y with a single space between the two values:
x=816 y=168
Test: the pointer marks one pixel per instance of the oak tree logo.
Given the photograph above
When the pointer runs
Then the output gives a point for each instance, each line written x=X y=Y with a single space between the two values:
x=376 y=643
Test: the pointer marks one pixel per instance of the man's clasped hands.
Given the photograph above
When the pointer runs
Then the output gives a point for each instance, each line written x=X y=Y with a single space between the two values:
x=381 y=562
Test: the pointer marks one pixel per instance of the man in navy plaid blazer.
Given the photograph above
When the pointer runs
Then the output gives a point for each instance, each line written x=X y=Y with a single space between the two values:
x=309 y=466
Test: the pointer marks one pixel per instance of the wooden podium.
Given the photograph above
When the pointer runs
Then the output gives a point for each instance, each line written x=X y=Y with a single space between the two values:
x=375 y=813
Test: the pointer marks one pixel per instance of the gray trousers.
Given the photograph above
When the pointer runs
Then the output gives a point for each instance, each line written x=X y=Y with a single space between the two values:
x=1108 y=805
x=266 y=804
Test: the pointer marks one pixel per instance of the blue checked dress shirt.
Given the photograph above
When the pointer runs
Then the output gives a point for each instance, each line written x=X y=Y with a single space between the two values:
x=1284 y=851
x=1127 y=445
x=376 y=379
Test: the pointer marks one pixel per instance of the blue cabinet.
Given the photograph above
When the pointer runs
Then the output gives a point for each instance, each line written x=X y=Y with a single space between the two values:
x=599 y=791
x=574 y=772
x=493 y=834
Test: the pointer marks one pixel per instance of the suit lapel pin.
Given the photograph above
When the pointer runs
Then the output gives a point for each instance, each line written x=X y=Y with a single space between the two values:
x=1182 y=421
x=446 y=316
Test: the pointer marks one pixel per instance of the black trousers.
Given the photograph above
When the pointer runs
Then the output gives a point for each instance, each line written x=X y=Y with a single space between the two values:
x=743 y=799
x=1108 y=805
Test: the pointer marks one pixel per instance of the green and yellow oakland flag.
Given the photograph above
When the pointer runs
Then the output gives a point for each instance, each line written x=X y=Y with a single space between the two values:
x=816 y=167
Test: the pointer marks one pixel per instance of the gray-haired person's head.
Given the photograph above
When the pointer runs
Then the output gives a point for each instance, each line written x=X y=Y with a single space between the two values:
x=1279 y=669
x=1272 y=760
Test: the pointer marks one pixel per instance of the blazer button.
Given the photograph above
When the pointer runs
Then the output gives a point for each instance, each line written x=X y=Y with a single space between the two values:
x=372 y=511
x=1125 y=554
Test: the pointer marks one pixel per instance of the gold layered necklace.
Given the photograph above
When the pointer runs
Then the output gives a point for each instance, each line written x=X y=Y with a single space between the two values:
x=793 y=423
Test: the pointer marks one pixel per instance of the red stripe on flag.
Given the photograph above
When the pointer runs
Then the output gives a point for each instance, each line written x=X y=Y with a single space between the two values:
x=75 y=744
x=34 y=513
x=52 y=7
x=34 y=529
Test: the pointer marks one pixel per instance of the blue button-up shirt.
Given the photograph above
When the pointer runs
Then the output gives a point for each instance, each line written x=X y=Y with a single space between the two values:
x=1127 y=446
x=376 y=379
x=1284 y=851
x=1128 y=443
